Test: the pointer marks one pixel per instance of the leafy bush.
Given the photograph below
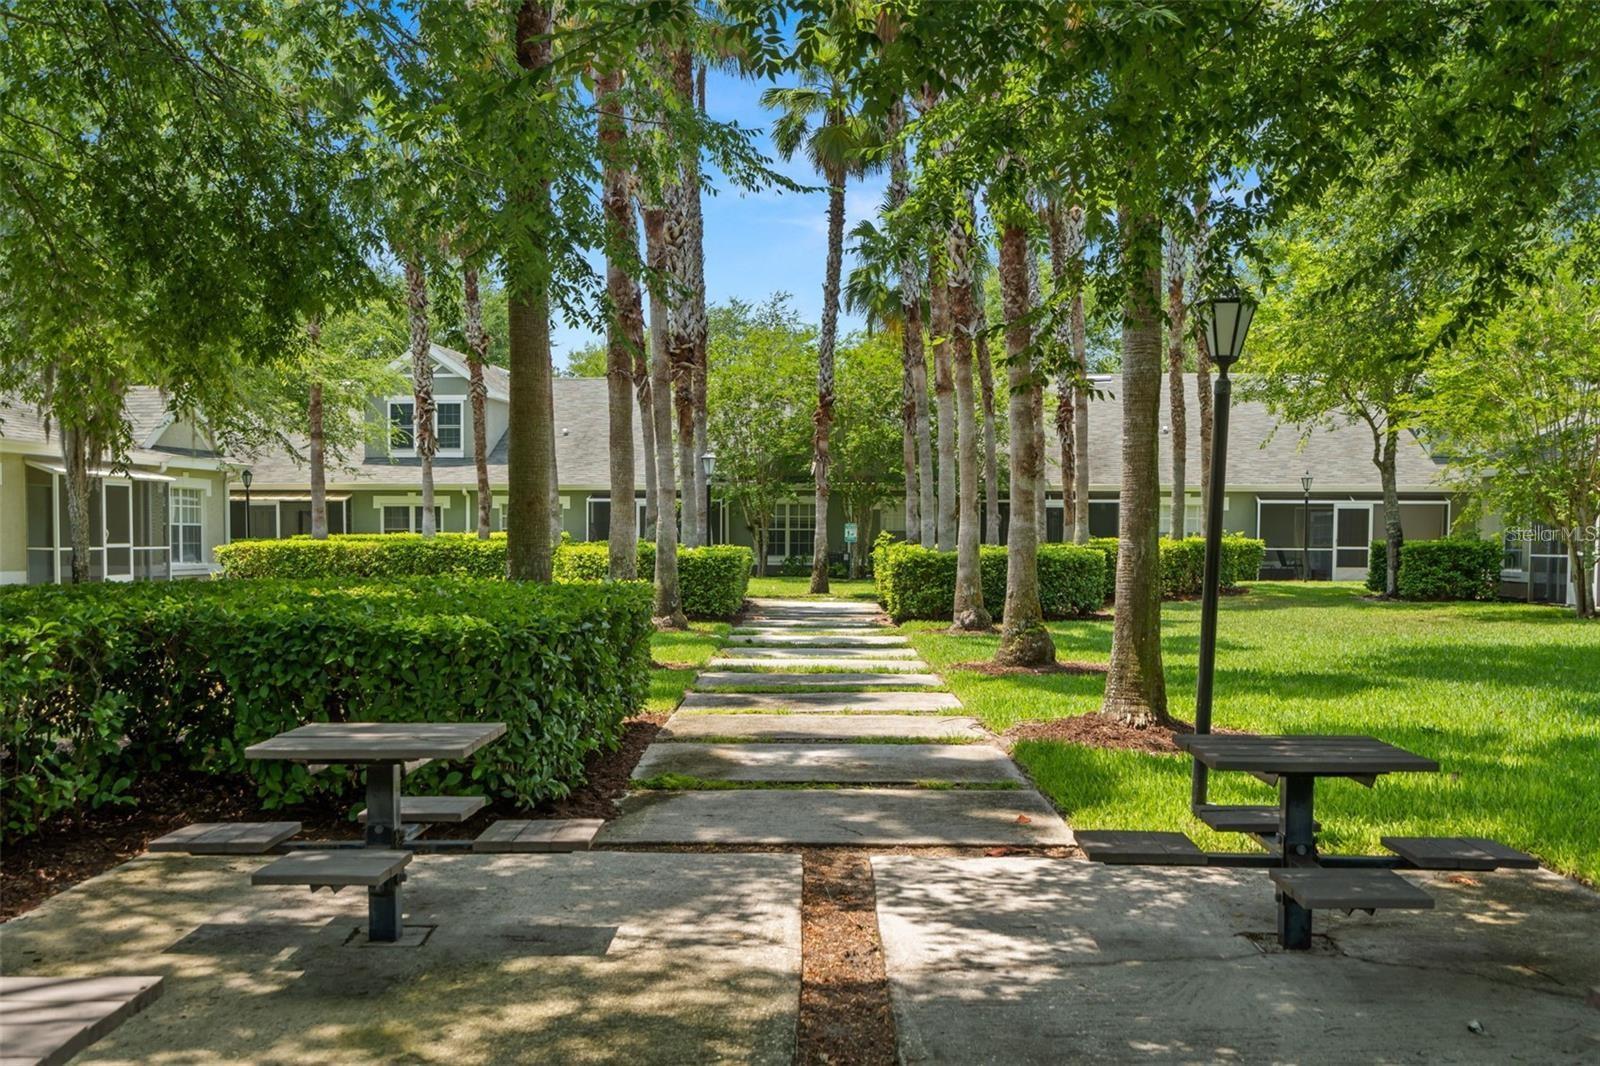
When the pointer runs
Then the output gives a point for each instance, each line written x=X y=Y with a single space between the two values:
x=366 y=555
x=707 y=581
x=918 y=582
x=1450 y=568
x=795 y=566
x=102 y=683
x=1183 y=563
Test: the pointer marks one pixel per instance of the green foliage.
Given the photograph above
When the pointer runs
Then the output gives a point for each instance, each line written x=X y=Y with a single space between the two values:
x=712 y=580
x=1183 y=563
x=365 y=555
x=590 y=560
x=1450 y=568
x=918 y=582
x=105 y=682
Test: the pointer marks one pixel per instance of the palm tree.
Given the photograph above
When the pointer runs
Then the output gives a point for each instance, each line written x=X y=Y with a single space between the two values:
x=968 y=613
x=688 y=312
x=1202 y=363
x=1024 y=641
x=1178 y=416
x=625 y=330
x=424 y=439
x=940 y=325
x=980 y=340
x=914 y=381
x=477 y=390
x=818 y=116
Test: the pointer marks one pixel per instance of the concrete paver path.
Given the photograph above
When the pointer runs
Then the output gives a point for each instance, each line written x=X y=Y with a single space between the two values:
x=827 y=767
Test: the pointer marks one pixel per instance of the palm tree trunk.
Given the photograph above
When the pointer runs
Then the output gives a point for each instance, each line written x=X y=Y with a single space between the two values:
x=945 y=398
x=647 y=436
x=529 y=547
x=625 y=332
x=908 y=437
x=1041 y=490
x=1024 y=640
x=477 y=393
x=424 y=437
x=1066 y=391
x=910 y=332
x=683 y=205
x=669 y=606
x=968 y=613
x=991 y=459
x=1080 y=413
x=1136 y=689
x=701 y=328
x=823 y=419
x=1177 y=402
x=1202 y=370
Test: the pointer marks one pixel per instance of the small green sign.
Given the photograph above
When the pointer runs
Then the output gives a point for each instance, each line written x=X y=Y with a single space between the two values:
x=849 y=532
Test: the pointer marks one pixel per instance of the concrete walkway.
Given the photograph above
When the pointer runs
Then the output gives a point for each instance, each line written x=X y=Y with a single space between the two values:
x=819 y=724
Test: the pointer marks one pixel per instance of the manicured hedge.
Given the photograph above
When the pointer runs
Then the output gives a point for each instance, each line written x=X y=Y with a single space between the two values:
x=351 y=555
x=1450 y=568
x=710 y=579
x=1183 y=563
x=918 y=582
x=102 y=683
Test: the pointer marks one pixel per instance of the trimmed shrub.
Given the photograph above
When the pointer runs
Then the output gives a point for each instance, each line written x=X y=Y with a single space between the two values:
x=1183 y=563
x=355 y=555
x=918 y=582
x=708 y=582
x=1450 y=568
x=102 y=683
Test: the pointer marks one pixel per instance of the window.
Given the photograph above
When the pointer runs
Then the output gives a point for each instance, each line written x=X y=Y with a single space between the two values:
x=397 y=520
x=447 y=425
x=416 y=520
x=402 y=427
x=1103 y=518
x=187 y=522
x=1510 y=551
x=1191 y=517
x=599 y=518
x=794 y=530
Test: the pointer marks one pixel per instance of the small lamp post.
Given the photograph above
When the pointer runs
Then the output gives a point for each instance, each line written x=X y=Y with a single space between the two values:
x=246 y=476
x=708 y=466
x=1305 y=529
x=1227 y=323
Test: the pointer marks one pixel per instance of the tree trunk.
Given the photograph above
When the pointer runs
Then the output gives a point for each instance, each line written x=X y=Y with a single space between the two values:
x=1384 y=451
x=529 y=547
x=669 y=606
x=1581 y=570
x=318 y=465
x=1066 y=242
x=1080 y=413
x=647 y=434
x=424 y=437
x=1041 y=489
x=1136 y=689
x=1202 y=368
x=682 y=206
x=554 y=483
x=823 y=418
x=700 y=330
x=1024 y=640
x=944 y=395
x=477 y=393
x=991 y=459
x=968 y=613
x=75 y=455
x=625 y=330
x=1177 y=402
x=910 y=336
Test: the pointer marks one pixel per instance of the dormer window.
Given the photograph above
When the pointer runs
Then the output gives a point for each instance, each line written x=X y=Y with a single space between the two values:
x=402 y=427
x=448 y=423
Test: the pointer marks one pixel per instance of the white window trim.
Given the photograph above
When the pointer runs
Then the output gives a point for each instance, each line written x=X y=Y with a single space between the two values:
x=461 y=408
x=442 y=453
x=173 y=547
x=388 y=425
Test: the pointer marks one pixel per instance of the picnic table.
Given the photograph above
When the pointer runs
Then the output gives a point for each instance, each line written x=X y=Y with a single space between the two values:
x=1304 y=879
x=385 y=749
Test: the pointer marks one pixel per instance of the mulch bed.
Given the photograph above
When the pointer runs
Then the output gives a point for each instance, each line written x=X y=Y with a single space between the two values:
x=75 y=849
x=1100 y=730
x=845 y=1016
x=990 y=668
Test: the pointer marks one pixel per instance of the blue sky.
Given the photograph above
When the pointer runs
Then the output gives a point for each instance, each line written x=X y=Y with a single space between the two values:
x=767 y=241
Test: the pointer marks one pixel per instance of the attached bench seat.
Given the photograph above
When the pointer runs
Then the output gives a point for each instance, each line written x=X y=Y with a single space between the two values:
x=1317 y=888
x=227 y=838
x=1228 y=818
x=1459 y=853
x=434 y=809
x=1152 y=849
x=335 y=869
x=538 y=835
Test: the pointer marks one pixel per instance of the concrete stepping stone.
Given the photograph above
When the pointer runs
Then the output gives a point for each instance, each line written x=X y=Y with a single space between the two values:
x=538 y=835
x=783 y=639
x=820 y=623
x=843 y=703
x=767 y=603
x=861 y=817
x=753 y=663
x=683 y=727
x=846 y=764
x=801 y=654
x=724 y=679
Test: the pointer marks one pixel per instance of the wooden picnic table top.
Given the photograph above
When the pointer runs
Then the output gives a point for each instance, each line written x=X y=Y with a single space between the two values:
x=340 y=742
x=1317 y=755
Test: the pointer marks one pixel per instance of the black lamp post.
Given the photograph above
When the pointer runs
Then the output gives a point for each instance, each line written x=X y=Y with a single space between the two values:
x=246 y=477
x=708 y=466
x=1227 y=322
x=1305 y=529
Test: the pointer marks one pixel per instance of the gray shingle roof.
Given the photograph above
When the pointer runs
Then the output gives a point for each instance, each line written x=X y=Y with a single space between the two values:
x=144 y=407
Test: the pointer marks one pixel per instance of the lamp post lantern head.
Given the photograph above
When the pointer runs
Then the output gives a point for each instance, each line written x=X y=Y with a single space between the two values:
x=246 y=476
x=1226 y=326
x=1305 y=482
x=708 y=464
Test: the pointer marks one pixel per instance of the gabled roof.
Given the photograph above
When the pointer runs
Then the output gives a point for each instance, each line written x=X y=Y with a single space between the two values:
x=495 y=378
x=23 y=427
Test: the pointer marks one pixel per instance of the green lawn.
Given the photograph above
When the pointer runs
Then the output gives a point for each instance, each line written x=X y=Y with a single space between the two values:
x=799 y=588
x=681 y=655
x=1505 y=696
